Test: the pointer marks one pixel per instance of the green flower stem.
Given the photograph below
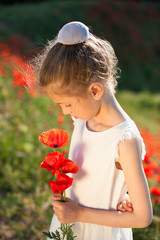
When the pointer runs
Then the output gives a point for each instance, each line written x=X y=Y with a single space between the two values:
x=60 y=196
x=64 y=226
x=64 y=195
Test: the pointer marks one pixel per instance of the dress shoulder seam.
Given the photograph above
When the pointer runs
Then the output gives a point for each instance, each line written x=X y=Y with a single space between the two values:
x=128 y=132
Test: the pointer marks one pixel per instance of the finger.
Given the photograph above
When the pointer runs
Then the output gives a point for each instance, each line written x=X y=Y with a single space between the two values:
x=120 y=208
x=129 y=204
x=55 y=211
x=129 y=209
x=125 y=205
x=56 y=197
x=53 y=203
x=59 y=205
x=56 y=204
x=68 y=200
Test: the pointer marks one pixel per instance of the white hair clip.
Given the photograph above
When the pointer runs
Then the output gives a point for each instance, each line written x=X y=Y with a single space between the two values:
x=73 y=33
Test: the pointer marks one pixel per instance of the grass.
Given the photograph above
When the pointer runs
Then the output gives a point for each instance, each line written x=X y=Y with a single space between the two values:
x=143 y=108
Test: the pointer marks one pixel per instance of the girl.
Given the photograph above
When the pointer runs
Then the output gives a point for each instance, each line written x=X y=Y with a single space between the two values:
x=78 y=71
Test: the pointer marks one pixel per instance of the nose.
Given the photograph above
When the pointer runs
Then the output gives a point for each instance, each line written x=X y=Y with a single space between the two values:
x=65 y=111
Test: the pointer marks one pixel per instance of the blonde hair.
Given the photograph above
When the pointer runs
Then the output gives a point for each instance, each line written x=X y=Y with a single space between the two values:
x=74 y=67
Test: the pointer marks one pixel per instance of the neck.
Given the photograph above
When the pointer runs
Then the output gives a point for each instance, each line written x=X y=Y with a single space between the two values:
x=110 y=113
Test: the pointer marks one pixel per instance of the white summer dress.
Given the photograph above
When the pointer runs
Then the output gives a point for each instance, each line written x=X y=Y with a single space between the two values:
x=98 y=183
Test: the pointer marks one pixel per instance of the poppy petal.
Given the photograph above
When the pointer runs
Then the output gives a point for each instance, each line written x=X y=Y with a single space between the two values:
x=54 y=138
x=63 y=182
x=155 y=191
x=45 y=165
x=69 y=166
x=53 y=161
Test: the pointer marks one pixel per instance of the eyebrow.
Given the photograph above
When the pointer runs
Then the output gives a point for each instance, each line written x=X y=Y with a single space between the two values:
x=60 y=103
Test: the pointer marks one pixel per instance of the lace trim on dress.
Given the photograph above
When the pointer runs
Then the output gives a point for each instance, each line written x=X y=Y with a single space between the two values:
x=73 y=119
x=130 y=131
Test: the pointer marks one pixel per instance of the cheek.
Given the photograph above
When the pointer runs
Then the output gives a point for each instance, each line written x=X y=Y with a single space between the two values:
x=75 y=110
x=94 y=108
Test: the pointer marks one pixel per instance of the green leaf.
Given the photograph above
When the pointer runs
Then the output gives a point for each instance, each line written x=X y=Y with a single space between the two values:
x=57 y=235
x=47 y=234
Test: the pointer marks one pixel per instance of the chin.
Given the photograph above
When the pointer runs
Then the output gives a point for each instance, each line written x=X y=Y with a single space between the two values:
x=82 y=118
x=86 y=119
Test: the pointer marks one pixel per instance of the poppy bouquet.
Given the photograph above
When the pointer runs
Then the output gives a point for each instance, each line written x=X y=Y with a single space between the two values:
x=59 y=166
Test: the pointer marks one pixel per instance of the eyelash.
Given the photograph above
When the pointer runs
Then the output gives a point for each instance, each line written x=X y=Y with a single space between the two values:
x=67 y=105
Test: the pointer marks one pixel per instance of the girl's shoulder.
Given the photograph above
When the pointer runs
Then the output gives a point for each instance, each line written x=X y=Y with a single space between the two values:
x=129 y=131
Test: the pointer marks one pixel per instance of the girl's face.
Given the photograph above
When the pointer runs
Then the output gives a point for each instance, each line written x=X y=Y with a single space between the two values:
x=83 y=106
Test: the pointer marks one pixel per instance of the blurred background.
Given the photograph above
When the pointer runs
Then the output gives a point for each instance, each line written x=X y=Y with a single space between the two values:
x=133 y=29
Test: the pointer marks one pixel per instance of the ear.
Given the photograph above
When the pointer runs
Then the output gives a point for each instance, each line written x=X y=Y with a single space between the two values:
x=96 y=89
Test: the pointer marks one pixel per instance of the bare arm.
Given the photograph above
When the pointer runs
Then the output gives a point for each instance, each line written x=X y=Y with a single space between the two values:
x=130 y=160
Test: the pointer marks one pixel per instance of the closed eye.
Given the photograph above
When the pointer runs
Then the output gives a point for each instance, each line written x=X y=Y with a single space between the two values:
x=62 y=104
x=67 y=105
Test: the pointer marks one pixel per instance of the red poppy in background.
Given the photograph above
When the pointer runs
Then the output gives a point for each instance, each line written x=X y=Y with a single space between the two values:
x=19 y=79
x=3 y=72
x=24 y=76
x=62 y=183
x=149 y=171
x=55 y=138
x=157 y=177
x=155 y=191
x=60 y=119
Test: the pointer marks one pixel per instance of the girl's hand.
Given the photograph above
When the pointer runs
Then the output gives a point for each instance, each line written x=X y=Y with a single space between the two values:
x=125 y=206
x=66 y=212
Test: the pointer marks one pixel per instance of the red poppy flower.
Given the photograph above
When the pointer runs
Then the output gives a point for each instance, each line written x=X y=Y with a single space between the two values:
x=3 y=72
x=155 y=191
x=156 y=200
x=18 y=79
x=157 y=178
x=62 y=183
x=149 y=171
x=69 y=167
x=56 y=162
x=24 y=77
x=54 y=138
x=53 y=161
x=60 y=119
